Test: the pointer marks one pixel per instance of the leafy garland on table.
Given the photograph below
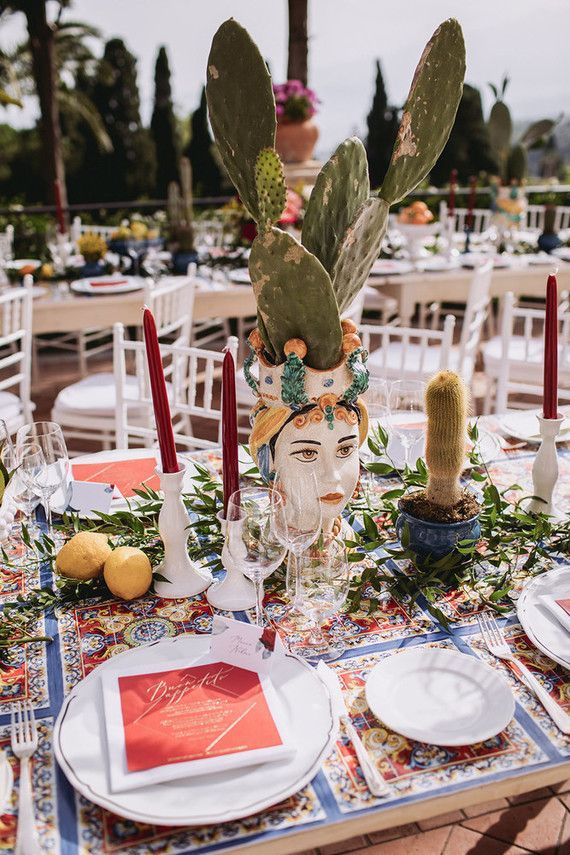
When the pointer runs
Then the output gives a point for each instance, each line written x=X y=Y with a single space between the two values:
x=514 y=544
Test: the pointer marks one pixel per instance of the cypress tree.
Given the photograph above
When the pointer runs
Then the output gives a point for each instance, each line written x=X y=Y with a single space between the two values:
x=163 y=127
x=128 y=172
x=468 y=148
x=206 y=174
x=382 y=124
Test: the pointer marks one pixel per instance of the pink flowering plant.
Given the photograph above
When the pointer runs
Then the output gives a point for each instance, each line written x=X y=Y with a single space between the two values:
x=294 y=102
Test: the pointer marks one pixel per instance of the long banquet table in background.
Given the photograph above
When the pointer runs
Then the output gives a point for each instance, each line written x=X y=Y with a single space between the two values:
x=58 y=313
x=426 y=780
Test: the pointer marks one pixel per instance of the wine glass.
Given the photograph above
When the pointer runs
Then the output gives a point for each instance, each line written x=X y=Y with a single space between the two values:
x=407 y=416
x=253 y=519
x=49 y=437
x=301 y=523
x=154 y=265
x=324 y=581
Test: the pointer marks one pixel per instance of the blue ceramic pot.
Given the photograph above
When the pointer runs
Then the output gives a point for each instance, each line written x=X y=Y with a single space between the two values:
x=548 y=241
x=436 y=539
x=181 y=260
x=93 y=268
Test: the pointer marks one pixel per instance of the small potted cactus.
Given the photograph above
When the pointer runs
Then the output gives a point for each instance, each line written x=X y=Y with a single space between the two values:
x=180 y=217
x=445 y=513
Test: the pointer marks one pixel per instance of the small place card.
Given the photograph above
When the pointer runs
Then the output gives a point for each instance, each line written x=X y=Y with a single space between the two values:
x=245 y=644
x=87 y=497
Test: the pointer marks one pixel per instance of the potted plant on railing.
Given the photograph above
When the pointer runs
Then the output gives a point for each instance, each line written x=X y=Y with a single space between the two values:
x=93 y=249
x=180 y=219
x=297 y=134
x=433 y=521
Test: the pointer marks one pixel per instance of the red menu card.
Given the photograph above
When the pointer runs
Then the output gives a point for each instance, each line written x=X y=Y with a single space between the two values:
x=127 y=475
x=182 y=720
x=194 y=714
x=564 y=605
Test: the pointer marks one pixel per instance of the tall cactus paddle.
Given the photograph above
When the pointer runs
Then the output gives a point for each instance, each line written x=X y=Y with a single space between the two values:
x=294 y=298
x=241 y=107
x=429 y=111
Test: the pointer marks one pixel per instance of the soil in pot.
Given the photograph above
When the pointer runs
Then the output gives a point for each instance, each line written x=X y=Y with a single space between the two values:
x=418 y=505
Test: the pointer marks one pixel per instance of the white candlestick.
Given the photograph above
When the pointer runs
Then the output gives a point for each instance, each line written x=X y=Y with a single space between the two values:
x=545 y=467
x=185 y=578
x=235 y=592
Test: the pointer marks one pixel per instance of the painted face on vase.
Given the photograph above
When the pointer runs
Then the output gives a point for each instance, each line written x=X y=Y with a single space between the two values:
x=306 y=445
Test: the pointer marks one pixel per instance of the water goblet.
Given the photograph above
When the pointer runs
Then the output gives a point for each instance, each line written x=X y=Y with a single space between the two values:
x=407 y=416
x=49 y=437
x=253 y=518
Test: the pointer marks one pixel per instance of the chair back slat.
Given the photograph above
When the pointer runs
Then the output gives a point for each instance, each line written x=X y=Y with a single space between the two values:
x=401 y=339
x=481 y=218
x=16 y=348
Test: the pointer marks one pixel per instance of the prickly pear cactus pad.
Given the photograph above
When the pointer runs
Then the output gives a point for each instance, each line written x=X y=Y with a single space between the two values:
x=271 y=189
x=295 y=299
x=241 y=107
x=342 y=186
x=429 y=111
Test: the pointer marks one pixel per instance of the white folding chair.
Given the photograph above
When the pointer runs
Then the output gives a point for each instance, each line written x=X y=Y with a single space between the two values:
x=7 y=243
x=16 y=355
x=534 y=220
x=186 y=369
x=464 y=356
x=481 y=218
x=514 y=360
x=406 y=353
x=86 y=409
x=562 y=218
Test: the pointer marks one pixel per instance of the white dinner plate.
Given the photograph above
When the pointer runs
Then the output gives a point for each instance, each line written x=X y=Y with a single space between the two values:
x=6 y=781
x=19 y=263
x=439 y=696
x=391 y=266
x=438 y=264
x=539 y=624
x=539 y=259
x=524 y=426
x=562 y=252
x=475 y=259
x=81 y=751
x=241 y=276
x=121 y=285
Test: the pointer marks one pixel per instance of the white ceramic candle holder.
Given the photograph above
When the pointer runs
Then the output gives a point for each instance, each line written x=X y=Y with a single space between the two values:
x=235 y=592
x=545 y=467
x=185 y=578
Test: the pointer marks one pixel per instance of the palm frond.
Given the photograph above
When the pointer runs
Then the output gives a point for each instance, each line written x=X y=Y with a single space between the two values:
x=76 y=103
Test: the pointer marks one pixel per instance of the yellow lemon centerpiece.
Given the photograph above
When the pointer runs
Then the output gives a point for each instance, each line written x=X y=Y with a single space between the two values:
x=128 y=572
x=83 y=556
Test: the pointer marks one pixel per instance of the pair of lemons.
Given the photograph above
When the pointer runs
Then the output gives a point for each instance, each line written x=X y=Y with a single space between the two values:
x=127 y=571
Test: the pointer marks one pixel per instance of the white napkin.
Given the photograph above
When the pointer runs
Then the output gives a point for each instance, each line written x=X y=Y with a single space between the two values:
x=556 y=610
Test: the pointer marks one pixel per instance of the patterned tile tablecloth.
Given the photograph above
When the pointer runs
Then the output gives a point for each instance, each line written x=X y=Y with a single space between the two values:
x=90 y=634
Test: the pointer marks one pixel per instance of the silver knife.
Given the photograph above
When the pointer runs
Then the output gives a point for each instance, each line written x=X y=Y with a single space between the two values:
x=374 y=780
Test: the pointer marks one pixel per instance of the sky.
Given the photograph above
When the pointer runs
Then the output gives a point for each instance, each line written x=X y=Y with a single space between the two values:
x=528 y=39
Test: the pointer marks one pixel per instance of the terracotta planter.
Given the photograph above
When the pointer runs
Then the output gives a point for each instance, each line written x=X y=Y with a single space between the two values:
x=296 y=141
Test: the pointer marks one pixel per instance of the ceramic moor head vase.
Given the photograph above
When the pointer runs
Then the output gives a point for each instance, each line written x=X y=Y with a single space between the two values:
x=309 y=414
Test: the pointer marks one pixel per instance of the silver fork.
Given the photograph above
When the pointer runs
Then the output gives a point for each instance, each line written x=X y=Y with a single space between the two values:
x=495 y=641
x=24 y=743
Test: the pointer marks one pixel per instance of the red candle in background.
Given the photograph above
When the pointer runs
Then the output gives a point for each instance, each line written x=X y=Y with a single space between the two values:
x=159 y=396
x=230 y=470
x=60 y=216
x=471 y=203
x=550 y=399
x=452 y=189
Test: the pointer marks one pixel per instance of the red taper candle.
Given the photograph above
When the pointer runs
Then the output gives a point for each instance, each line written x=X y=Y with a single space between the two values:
x=230 y=470
x=159 y=396
x=550 y=400
x=59 y=213
x=471 y=202
x=452 y=189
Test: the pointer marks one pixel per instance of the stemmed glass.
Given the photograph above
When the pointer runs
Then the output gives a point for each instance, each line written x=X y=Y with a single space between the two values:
x=407 y=416
x=49 y=438
x=254 y=515
x=324 y=581
x=154 y=265
x=300 y=525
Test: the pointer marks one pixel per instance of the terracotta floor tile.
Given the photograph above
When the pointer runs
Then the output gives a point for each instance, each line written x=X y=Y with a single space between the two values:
x=565 y=798
x=535 y=826
x=443 y=819
x=463 y=841
x=485 y=807
x=426 y=843
x=392 y=833
x=344 y=846
x=562 y=787
x=522 y=798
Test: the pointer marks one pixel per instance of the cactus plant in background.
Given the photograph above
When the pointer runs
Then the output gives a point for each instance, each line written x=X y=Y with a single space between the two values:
x=512 y=156
x=446 y=402
x=301 y=288
x=179 y=209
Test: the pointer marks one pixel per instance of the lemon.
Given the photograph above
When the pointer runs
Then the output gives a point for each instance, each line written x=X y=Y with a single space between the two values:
x=2 y=485
x=128 y=572
x=83 y=556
